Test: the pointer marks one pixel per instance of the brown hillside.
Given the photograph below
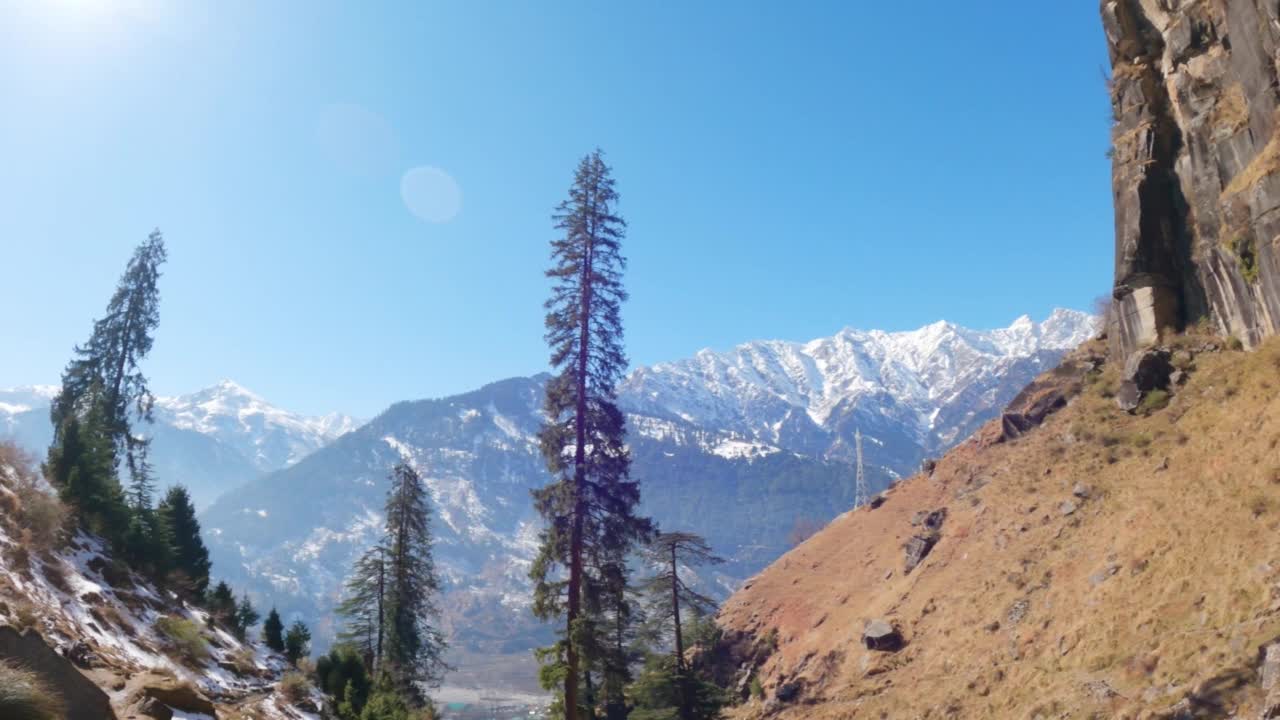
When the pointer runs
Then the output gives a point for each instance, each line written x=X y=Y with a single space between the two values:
x=1102 y=565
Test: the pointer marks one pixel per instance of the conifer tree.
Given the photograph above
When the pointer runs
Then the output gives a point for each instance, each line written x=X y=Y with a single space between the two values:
x=413 y=647
x=364 y=606
x=221 y=604
x=148 y=542
x=105 y=372
x=669 y=593
x=273 y=631
x=246 y=616
x=589 y=507
x=297 y=642
x=190 y=556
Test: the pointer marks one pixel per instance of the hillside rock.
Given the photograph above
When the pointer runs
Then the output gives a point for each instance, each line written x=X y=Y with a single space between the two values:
x=169 y=691
x=1195 y=157
x=83 y=699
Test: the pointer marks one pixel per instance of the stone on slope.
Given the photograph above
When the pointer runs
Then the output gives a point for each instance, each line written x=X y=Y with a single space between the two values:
x=83 y=699
x=882 y=636
x=172 y=692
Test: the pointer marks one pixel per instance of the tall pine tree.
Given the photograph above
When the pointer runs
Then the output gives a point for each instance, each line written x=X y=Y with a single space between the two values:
x=590 y=506
x=413 y=648
x=104 y=384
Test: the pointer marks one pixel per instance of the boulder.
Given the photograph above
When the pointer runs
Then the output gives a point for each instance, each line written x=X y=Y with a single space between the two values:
x=1148 y=369
x=1128 y=396
x=174 y=693
x=1270 y=672
x=83 y=699
x=917 y=548
x=153 y=708
x=882 y=636
x=80 y=654
x=1031 y=413
x=788 y=691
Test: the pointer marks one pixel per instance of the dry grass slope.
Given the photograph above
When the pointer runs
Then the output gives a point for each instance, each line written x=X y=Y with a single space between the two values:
x=1160 y=586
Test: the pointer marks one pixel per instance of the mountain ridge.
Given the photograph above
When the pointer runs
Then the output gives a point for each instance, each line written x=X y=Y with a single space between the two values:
x=478 y=454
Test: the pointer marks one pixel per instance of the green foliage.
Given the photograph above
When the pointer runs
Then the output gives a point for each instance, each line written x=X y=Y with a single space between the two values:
x=757 y=690
x=364 y=604
x=297 y=642
x=148 y=543
x=82 y=467
x=190 y=556
x=1246 y=257
x=661 y=688
x=343 y=677
x=702 y=631
x=185 y=637
x=23 y=696
x=245 y=617
x=385 y=704
x=1153 y=401
x=413 y=653
x=388 y=703
x=273 y=631
x=221 y=604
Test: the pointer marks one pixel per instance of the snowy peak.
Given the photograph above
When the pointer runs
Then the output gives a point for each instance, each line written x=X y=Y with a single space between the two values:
x=916 y=376
x=269 y=436
x=26 y=397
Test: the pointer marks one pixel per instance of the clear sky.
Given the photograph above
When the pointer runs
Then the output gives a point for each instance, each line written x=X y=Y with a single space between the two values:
x=356 y=196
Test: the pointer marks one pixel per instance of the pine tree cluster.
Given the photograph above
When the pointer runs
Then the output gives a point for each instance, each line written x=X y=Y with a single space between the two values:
x=392 y=620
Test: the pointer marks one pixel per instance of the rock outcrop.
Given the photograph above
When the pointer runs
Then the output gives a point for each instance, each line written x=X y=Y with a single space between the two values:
x=1196 y=167
x=83 y=699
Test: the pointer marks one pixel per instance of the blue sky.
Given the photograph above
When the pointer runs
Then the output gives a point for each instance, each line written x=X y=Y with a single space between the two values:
x=787 y=169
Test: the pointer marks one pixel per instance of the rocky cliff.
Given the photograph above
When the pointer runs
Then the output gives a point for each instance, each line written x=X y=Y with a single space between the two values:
x=1194 y=93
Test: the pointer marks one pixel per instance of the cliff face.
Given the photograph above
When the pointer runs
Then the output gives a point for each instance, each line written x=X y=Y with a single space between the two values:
x=1196 y=158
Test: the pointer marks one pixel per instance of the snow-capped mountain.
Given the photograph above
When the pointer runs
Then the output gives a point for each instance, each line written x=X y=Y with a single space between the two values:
x=291 y=536
x=269 y=437
x=210 y=440
x=738 y=446
x=915 y=392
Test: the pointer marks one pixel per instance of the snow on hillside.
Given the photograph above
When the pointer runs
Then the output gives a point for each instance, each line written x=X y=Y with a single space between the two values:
x=101 y=616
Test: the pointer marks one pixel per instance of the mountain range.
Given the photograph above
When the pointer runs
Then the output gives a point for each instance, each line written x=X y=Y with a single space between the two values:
x=741 y=446
x=211 y=440
x=745 y=447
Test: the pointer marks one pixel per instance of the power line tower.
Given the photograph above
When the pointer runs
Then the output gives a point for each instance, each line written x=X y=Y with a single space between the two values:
x=860 y=494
